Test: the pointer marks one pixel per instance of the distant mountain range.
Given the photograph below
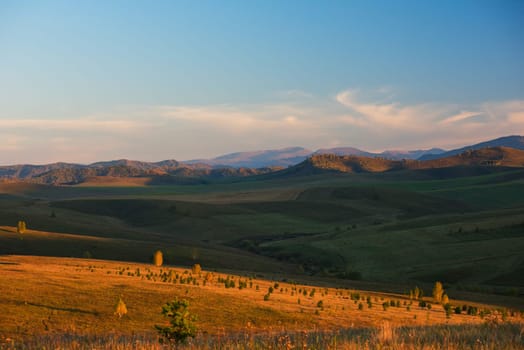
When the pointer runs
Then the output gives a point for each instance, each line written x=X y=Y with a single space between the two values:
x=290 y=156
x=163 y=172
x=484 y=157
x=257 y=159
x=503 y=151
x=514 y=141
x=393 y=155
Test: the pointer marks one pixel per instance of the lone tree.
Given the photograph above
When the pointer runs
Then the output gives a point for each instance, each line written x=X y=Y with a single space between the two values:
x=181 y=322
x=158 y=258
x=438 y=292
x=20 y=228
x=196 y=269
x=416 y=293
x=121 y=308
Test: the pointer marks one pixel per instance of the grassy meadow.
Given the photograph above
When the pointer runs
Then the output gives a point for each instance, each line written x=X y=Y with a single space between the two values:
x=407 y=227
x=376 y=235
x=70 y=302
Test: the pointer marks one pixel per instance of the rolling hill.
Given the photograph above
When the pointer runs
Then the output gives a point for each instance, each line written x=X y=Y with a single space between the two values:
x=504 y=152
x=164 y=172
x=393 y=155
x=514 y=141
x=67 y=303
x=487 y=157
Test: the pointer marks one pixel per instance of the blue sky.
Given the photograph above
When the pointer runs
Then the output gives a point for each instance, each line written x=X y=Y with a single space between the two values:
x=91 y=80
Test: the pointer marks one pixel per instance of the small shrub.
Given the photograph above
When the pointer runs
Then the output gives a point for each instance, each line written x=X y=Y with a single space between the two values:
x=360 y=306
x=448 y=309
x=416 y=293
x=20 y=228
x=196 y=269
x=438 y=292
x=121 y=308
x=181 y=322
x=472 y=311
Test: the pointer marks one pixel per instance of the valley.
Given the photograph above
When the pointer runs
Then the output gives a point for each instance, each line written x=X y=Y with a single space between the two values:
x=376 y=233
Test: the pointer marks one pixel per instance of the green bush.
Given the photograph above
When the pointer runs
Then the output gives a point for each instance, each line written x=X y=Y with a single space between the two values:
x=448 y=309
x=181 y=323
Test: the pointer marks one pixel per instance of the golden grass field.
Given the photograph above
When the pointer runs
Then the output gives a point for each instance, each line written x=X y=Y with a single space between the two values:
x=49 y=297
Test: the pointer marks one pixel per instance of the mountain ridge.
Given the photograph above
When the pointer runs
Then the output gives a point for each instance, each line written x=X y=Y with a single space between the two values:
x=254 y=159
x=239 y=164
x=486 y=157
x=512 y=141
x=318 y=163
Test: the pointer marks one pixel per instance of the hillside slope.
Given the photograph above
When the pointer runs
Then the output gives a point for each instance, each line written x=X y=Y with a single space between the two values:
x=514 y=141
x=389 y=154
x=488 y=157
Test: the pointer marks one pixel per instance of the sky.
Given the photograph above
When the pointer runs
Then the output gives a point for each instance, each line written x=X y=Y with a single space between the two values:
x=84 y=81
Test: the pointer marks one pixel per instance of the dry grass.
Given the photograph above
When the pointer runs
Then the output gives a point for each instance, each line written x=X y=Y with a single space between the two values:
x=463 y=337
x=114 y=181
x=71 y=301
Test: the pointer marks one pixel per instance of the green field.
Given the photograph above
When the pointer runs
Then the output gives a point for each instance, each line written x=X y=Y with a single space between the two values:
x=400 y=227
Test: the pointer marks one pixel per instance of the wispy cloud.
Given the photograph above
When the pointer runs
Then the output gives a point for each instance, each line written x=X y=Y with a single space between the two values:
x=73 y=124
x=429 y=124
x=242 y=119
x=463 y=115
x=388 y=114
x=372 y=121
x=11 y=143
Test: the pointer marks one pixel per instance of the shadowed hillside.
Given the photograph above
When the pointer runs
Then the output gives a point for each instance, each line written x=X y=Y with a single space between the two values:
x=488 y=157
x=514 y=141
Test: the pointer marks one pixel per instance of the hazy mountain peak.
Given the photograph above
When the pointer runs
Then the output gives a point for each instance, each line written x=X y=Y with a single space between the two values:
x=258 y=159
